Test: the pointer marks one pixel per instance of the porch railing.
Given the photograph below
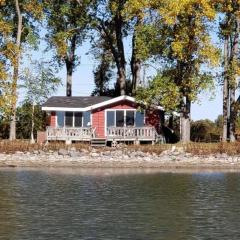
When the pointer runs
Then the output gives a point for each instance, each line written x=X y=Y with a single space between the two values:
x=82 y=133
x=131 y=133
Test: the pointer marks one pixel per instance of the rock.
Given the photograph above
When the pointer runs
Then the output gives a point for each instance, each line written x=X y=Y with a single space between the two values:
x=73 y=149
x=180 y=149
x=19 y=152
x=106 y=153
x=173 y=148
x=164 y=153
x=140 y=154
x=74 y=154
x=35 y=152
x=62 y=152
x=84 y=150
x=94 y=150
x=41 y=152
x=94 y=154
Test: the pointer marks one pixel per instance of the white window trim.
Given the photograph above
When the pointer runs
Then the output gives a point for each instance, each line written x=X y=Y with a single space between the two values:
x=65 y=120
x=125 y=110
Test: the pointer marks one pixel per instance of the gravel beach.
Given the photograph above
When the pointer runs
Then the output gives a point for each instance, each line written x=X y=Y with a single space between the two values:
x=118 y=158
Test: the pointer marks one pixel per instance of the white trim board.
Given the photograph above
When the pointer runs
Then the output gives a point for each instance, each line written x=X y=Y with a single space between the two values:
x=92 y=107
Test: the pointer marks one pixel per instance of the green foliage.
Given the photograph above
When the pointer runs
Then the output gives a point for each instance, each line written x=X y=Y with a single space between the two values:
x=204 y=131
x=161 y=91
x=67 y=23
x=40 y=81
x=24 y=120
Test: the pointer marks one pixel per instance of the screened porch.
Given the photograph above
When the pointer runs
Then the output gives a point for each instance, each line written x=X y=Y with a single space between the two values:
x=128 y=125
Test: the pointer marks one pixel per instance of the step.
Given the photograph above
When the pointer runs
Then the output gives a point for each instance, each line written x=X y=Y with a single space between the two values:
x=98 y=142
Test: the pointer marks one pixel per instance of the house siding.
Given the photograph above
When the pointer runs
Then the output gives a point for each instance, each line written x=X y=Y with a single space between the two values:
x=98 y=116
x=53 y=119
x=154 y=118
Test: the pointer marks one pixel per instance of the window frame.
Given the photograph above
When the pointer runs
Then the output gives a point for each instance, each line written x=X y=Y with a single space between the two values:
x=125 y=111
x=73 y=120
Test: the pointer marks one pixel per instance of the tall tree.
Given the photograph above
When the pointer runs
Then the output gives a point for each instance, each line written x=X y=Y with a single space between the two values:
x=112 y=27
x=229 y=31
x=67 y=23
x=182 y=42
x=17 y=17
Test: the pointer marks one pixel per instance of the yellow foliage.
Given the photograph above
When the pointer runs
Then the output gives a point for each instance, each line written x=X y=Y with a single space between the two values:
x=34 y=7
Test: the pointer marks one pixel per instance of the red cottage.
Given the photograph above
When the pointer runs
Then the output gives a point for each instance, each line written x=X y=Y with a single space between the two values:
x=102 y=120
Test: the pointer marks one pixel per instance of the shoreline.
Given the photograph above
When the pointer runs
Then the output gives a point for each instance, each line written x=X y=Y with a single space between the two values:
x=174 y=159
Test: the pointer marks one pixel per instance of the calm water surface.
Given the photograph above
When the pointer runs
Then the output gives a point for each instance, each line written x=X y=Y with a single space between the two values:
x=63 y=204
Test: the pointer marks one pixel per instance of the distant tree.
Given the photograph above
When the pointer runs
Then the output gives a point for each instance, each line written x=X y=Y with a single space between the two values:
x=204 y=131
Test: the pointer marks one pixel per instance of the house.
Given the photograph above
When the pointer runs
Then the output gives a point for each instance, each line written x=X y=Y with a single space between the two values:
x=100 y=119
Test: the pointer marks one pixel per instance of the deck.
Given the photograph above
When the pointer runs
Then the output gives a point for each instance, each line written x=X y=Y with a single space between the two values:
x=112 y=134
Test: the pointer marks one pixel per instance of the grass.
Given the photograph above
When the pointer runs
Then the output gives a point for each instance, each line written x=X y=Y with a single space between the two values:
x=7 y=146
x=194 y=148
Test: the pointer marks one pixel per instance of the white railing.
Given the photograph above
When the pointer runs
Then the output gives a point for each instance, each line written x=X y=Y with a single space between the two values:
x=131 y=133
x=82 y=133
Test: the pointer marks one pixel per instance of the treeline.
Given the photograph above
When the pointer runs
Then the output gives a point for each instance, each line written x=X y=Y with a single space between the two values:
x=173 y=36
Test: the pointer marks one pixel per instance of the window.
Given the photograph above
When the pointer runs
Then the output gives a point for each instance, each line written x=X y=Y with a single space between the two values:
x=120 y=118
x=78 y=119
x=130 y=118
x=110 y=118
x=68 y=119
x=124 y=118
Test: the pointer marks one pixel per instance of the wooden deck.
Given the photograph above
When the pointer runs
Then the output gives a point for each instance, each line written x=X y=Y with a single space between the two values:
x=135 y=134
x=131 y=133
x=70 y=134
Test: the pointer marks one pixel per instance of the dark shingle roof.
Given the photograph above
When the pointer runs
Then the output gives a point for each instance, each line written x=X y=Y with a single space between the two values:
x=74 y=102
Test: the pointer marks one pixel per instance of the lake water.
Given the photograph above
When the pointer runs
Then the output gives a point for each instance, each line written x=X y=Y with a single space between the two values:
x=117 y=204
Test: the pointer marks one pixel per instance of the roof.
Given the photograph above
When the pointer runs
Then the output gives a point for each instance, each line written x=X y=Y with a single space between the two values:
x=74 y=102
x=82 y=104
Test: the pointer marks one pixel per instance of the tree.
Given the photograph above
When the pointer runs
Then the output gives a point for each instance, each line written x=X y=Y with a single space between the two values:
x=40 y=82
x=17 y=21
x=182 y=42
x=67 y=24
x=111 y=26
x=204 y=131
x=25 y=119
x=229 y=31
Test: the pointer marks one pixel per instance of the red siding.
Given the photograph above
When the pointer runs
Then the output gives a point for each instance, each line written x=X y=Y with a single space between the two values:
x=98 y=116
x=153 y=118
x=53 y=119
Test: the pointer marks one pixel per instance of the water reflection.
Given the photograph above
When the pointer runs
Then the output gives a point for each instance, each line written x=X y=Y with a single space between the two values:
x=108 y=204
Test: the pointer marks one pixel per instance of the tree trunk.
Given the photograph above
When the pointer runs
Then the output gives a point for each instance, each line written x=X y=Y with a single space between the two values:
x=232 y=115
x=233 y=83
x=225 y=92
x=69 y=69
x=70 y=64
x=135 y=65
x=121 y=81
x=185 y=121
x=121 y=62
x=32 y=141
x=12 y=134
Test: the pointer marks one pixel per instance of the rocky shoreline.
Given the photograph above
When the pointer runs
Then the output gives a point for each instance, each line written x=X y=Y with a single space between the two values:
x=118 y=158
